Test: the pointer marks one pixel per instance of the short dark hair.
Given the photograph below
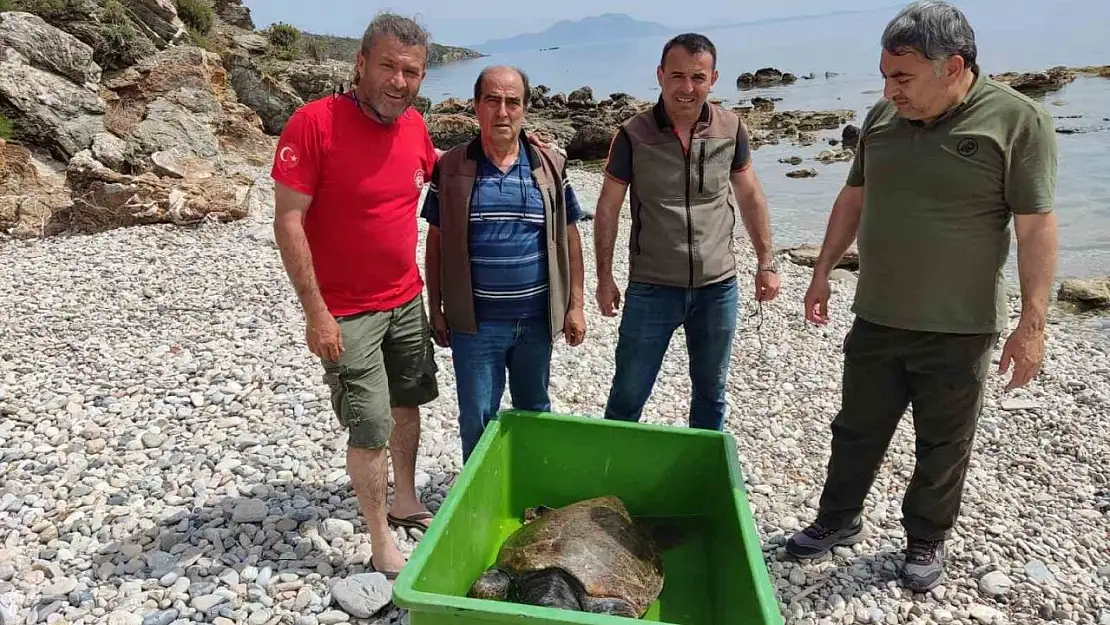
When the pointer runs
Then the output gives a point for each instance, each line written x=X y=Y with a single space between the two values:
x=492 y=68
x=693 y=43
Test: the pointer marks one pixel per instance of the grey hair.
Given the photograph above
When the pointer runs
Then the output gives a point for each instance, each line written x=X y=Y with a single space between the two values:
x=386 y=24
x=934 y=28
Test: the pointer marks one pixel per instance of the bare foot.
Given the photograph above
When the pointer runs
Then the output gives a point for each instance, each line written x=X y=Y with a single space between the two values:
x=387 y=559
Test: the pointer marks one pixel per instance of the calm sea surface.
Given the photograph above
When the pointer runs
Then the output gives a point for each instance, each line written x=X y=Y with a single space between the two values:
x=1020 y=36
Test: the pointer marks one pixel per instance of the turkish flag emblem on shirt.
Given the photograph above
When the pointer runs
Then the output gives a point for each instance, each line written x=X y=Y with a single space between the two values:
x=287 y=157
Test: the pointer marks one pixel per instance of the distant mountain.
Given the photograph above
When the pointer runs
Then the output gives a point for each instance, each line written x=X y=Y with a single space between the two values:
x=605 y=27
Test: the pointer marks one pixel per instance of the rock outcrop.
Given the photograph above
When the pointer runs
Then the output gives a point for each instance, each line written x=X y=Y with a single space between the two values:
x=765 y=77
x=31 y=193
x=584 y=127
x=234 y=13
x=165 y=140
x=47 y=48
x=807 y=255
x=1093 y=294
x=104 y=199
x=39 y=65
x=1052 y=79
x=160 y=19
x=273 y=100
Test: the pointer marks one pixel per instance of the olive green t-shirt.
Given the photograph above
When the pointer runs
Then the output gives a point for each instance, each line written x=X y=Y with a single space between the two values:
x=935 y=230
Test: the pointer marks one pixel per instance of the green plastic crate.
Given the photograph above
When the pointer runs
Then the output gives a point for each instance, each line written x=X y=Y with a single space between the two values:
x=716 y=576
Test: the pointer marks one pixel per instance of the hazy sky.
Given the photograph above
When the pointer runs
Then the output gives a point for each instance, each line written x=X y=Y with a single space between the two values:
x=471 y=22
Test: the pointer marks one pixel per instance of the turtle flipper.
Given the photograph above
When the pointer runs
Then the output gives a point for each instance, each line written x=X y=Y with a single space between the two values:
x=493 y=584
x=609 y=605
x=549 y=588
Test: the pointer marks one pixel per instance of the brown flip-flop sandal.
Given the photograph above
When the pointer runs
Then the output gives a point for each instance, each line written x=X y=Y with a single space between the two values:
x=412 y=520
x=390 y=575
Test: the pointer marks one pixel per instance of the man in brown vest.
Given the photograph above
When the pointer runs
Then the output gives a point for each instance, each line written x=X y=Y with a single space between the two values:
x=504 y=257
x=688 y=166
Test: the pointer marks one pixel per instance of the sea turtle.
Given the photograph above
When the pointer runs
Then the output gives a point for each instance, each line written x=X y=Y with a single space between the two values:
x=589 y=556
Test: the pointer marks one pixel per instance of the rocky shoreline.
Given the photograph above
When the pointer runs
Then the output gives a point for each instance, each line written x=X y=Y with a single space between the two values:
x=169 y=455
x=584 y=125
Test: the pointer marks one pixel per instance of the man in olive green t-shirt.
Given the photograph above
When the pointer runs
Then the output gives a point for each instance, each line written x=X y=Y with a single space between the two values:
x=944 y=163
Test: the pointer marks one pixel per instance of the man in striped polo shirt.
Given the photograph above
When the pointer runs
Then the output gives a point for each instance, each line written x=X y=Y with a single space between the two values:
x=504 y=257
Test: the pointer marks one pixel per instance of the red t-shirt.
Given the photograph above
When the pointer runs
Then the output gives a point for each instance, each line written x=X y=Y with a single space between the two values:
x=365 y=178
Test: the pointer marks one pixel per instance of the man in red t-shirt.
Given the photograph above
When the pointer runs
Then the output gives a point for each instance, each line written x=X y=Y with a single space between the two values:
x=349 y=171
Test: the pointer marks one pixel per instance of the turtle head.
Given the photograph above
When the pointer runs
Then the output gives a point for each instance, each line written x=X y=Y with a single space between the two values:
x=493 y=584
x=549 y=588
x=533 y=513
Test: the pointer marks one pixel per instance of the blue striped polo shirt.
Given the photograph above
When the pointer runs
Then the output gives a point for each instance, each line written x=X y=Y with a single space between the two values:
x=508 y=251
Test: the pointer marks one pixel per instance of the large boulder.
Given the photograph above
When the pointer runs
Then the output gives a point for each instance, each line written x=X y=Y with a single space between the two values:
x=160 y=19
x=104 y=199
x=47 y=109
x=581 y=98
x=1087 y=294
x=806 y=256
x=234 y=13
x=180 y=102
x=274 y=101
x=48 y=85
x=312 y=80
x=591 y=142
x=171 y=128
x=450 y=130
x=50 y=49
x=765 y=77
x=31 y=193
x=1037 y=83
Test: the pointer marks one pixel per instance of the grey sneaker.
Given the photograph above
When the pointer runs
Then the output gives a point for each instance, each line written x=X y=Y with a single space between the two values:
x=816 y=540
x=924 y=568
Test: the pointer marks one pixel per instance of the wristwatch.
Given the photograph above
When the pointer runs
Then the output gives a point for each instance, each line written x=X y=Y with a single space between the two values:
x=773 y=267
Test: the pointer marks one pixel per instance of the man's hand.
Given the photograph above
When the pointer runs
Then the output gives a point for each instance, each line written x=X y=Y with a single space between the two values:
x=325 y=339
x=440 y=333
x=608 y=296
x=545 y=143
x=1037 y=250
x=574 y=326
x=767 y=286
x=1025 y=349
x=817 y=300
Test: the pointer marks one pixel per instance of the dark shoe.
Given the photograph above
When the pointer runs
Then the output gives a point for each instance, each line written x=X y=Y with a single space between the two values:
x=924 y=568
x=816 y=540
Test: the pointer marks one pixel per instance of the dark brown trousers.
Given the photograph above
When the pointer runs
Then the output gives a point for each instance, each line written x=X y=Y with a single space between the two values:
x=886 y=370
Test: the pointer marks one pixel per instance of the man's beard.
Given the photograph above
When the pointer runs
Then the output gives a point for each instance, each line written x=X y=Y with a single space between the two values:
x=382 y=106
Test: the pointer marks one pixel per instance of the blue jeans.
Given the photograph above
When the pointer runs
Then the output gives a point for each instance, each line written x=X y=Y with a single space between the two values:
x=651 y=315
x=480 y=360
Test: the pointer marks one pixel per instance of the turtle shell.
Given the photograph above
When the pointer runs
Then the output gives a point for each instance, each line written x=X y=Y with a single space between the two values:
x=596 y=541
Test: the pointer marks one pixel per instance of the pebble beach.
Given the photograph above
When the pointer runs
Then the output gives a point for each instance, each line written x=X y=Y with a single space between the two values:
x=168 y=453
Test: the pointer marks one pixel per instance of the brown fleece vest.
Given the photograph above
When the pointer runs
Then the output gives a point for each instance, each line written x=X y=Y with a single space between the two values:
x=457 y=170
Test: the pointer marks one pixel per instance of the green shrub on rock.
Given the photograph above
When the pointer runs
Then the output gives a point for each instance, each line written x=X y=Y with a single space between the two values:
x=113 y=13
x=196 y=15
x=6 y=128
x=284 y=36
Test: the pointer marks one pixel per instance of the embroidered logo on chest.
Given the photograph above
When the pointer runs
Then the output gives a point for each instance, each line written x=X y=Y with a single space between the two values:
x=418 y=178
x=967 y=147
